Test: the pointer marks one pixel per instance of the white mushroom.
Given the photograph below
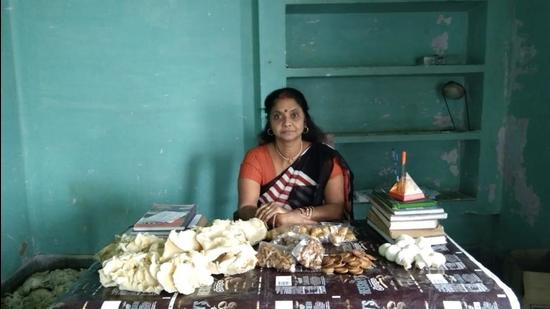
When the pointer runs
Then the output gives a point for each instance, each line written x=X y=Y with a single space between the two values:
x=422 y=260
x=405 y=257
x=185 y=240
x=383 y=248
x=185 y=279
x=164 y=276
x=437 y=259
x=391 y=252
x=254 y=229
x=404 y=240
x=423 y=243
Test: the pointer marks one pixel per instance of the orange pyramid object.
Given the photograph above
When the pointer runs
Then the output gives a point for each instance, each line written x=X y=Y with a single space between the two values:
x=405 y=189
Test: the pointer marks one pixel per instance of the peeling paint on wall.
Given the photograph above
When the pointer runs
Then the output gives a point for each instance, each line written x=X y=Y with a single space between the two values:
x=23 y=248
x=511 y=163
x=441 y=19
x=492 y=193
x=451 y=158
x=440 y=43
x=385 y=171
x=522 y=54
x=441 y=121
x=501 y=142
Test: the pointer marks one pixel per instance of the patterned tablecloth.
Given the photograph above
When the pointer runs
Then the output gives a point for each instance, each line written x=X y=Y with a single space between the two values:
x=461 y=283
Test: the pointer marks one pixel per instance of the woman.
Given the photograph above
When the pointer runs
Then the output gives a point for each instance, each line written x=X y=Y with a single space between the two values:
x=292 y=177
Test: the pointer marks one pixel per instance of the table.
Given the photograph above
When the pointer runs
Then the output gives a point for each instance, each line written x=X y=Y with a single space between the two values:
x=461 y=283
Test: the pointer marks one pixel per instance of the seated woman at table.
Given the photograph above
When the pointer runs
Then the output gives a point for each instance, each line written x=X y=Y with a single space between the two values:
x=292 y=177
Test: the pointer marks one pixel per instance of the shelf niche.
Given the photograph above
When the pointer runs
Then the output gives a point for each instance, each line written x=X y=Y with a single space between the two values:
x=383 y=34
x=387 y=104
x=449 y=169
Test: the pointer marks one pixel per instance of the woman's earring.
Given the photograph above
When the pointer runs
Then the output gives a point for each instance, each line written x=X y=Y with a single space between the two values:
x=306 y=130
x=269 y=132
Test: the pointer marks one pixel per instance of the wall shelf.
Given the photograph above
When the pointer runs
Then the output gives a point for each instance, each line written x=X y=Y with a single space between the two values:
x=353 y=6
x=383 y=70
x=341 y=138
x=355 y=61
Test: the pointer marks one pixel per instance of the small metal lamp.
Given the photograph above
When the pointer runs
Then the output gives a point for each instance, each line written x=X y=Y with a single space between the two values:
x=454 y=91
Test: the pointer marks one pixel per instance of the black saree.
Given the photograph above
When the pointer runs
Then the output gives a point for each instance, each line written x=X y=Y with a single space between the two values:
x=303 y=183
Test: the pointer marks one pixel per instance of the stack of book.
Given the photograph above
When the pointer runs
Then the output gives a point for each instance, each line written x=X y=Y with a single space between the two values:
x=392 y=218
x=163 y=218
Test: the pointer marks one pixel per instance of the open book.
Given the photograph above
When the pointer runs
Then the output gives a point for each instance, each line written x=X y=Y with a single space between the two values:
x=166 y=217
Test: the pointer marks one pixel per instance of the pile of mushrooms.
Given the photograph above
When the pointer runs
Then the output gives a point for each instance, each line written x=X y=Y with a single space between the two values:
x=407 y=251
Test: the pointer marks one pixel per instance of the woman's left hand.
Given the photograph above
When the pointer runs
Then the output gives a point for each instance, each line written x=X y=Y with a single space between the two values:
x=267 y=211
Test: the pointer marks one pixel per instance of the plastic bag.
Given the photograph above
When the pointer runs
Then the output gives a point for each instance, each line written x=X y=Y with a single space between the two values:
x=335 y=233
x=309 y=252
x=339 y=233
x=276 y=256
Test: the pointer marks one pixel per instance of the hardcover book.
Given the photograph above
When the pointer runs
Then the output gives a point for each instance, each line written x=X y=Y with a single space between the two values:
x=411 y=216
x=166 y=217
x=392 y=203
x=198 y=220
x=432 y=240
x=406 y=225
x=431 y=208
x=435 y=236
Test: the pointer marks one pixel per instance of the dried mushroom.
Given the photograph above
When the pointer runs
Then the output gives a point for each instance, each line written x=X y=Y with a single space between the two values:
x=275 y=256
x=353 y=262
x=335 y=233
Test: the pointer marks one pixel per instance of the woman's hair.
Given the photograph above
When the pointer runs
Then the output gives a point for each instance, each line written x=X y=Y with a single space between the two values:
x=314 y=134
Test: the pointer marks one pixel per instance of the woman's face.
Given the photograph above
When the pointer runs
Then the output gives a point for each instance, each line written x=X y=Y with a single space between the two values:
x=287 y=119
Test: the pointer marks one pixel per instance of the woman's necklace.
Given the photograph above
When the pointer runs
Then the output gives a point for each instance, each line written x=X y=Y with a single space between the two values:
x=289 y=159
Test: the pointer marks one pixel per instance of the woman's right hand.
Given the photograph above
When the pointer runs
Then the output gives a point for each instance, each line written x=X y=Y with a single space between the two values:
x=293 y=217
x=268 y=211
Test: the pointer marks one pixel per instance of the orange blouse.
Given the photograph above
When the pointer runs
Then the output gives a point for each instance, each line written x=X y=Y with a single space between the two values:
x=258 y=166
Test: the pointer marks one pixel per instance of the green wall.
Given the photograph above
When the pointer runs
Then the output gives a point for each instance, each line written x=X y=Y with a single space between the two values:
x=17 y=243
x=122 y=104
x=109 y=106
x=523 y=140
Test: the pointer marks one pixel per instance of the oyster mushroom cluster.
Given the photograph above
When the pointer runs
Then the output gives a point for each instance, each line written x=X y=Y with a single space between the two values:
x=408 y=251
x=183 y=262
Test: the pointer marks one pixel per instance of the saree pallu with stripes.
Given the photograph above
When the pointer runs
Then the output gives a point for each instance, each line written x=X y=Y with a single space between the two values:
x=303 y=183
